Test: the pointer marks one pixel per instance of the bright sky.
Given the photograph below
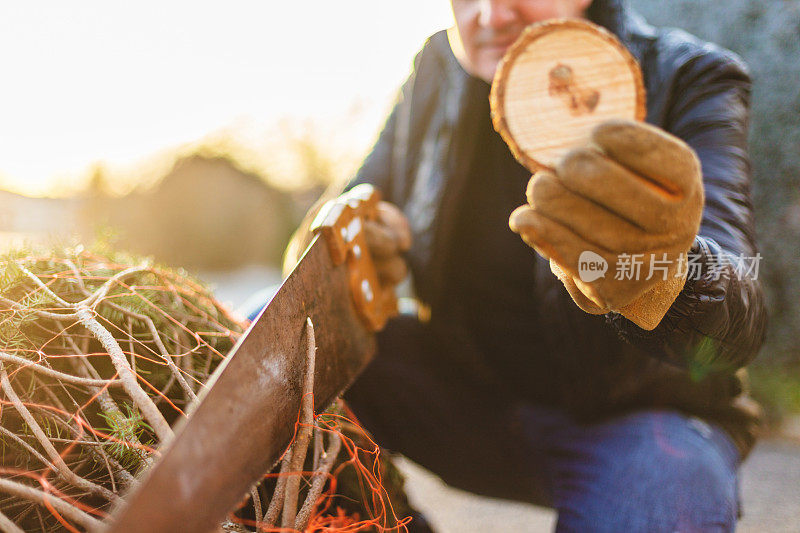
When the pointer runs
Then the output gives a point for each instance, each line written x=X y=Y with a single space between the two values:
x=112 y=81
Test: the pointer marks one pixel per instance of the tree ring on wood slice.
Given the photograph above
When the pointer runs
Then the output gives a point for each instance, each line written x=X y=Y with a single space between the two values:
x=561 y=78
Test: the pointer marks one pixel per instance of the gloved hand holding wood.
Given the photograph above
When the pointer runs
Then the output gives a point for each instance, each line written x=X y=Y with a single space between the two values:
x=633 y=196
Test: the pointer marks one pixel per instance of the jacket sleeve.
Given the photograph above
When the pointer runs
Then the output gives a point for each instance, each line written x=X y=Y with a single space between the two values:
x=381 y=164
x=376 y=169
x=719 y=319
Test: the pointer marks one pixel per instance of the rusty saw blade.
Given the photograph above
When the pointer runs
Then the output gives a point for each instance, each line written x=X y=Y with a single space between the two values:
x=246 y=416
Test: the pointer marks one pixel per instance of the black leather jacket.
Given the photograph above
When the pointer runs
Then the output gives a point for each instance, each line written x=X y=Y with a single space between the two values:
x=604 y=364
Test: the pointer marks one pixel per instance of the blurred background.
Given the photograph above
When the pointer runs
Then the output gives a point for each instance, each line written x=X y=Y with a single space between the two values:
x=199 y=134
x=766 y=33
x=175 y=126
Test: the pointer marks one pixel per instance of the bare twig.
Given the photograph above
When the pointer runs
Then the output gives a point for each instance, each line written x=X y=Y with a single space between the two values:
x=161 y=397
x=108 y=406
x=61 y=467
x=187 y=365
x=276 y=504
x=304 y=432
x=97 y=452
x=93 y=447
x=318 y=481
x=41 y=520
x=129 y=383
x=26 y=363
x=45 y=389
x=8 y=526
x=256 y=504
x=28 y=447
x=45 y=314
x=131 y=347
x=160 y=345
x=101 y=293
x=38 y=496
x=20 y=516
x=78 y=278
x=39 y=283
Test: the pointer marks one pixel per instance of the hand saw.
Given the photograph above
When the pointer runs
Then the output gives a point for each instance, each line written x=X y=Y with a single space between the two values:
x=245 y=417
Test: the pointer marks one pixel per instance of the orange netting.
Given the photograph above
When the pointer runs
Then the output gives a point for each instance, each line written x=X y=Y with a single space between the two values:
x=100 y=354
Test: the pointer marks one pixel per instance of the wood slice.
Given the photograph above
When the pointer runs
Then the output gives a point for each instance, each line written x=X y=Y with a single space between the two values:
x=556 y=82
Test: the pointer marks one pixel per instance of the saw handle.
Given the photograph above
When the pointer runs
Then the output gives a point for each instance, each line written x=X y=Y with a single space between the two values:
x=341 y=224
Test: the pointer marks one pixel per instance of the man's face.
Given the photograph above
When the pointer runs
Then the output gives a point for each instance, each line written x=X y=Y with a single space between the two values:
x=486 y=28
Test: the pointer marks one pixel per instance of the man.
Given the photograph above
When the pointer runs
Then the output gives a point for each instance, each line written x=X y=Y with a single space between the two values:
x=524 y=384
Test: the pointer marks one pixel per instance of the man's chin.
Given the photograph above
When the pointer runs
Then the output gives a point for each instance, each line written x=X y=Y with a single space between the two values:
x=487 y=66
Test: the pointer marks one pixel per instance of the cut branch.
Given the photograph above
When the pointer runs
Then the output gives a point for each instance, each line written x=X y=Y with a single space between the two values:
x=8 y=526
x=304 y=432
x=40 y=497
x=129 y=383
x=276 y=504
x=39 y=283
x=26 y=363
x=160 y=345
x=318 y=482
x=61 y=467
x=101 y=293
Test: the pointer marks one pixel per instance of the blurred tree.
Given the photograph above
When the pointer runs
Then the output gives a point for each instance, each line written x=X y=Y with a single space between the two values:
x=317 y=165
x=205 y=213
x=99 y=183
x=766 y=33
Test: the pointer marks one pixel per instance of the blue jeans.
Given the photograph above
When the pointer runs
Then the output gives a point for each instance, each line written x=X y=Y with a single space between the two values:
x=644 y=471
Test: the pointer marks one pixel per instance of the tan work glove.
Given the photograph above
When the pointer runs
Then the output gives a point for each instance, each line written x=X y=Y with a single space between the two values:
x=634 y=189
x=387 y=239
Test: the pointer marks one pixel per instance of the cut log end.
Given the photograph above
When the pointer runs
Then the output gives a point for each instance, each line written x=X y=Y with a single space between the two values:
x=559 y=80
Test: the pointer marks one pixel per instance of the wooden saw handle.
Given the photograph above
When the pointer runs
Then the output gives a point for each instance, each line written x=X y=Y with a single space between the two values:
x=341 y=223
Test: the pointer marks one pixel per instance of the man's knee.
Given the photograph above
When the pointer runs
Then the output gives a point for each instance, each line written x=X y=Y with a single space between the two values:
x=696 y=498
x=680 y=476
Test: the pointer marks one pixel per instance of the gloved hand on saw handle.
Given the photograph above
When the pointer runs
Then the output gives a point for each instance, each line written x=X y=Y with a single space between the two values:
x=388 y=238
x=632 y=196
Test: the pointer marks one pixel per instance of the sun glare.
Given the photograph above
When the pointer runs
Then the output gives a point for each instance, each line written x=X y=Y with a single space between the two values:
x=117 y=83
